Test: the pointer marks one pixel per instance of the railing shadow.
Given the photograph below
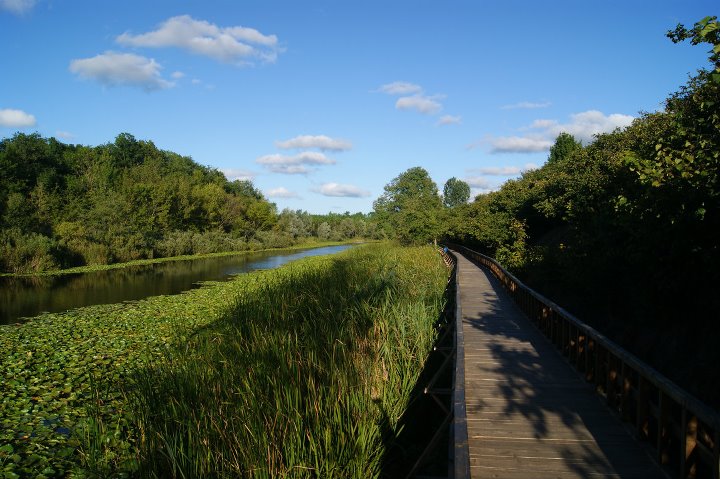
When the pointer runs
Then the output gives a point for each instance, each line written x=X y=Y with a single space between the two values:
x=540 y=406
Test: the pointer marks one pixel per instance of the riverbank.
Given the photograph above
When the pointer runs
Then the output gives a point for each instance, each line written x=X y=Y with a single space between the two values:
x=146 y=262
x=325 y=349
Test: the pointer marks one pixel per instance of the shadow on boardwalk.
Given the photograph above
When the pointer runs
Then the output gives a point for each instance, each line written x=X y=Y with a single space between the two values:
x=529 y=413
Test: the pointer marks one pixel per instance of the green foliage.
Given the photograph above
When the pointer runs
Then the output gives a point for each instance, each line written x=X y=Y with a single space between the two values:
x=623 y=231
x=128 y=200
x=304 y=370
x=455 y=192
x=564 y=147
x=410 y=207
x=706 y=30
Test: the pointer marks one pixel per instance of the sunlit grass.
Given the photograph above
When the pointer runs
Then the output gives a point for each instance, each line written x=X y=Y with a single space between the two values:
x=302 y=371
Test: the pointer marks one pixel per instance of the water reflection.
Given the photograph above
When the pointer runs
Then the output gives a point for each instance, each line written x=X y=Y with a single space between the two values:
x=29 y=296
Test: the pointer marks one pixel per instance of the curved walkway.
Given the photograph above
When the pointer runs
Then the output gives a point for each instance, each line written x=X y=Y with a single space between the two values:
x=529 y=414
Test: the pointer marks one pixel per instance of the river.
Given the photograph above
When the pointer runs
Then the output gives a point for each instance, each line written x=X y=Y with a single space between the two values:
x=24 y=297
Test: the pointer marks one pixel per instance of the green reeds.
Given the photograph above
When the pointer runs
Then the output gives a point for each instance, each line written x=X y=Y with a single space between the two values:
x=306 y=377
x=302 y=371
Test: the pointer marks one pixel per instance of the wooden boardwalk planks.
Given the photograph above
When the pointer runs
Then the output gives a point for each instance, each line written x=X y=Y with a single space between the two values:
x=529 y=414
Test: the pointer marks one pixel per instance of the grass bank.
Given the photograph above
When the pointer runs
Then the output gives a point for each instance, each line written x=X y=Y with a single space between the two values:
x=302 y=371
x=144 y=262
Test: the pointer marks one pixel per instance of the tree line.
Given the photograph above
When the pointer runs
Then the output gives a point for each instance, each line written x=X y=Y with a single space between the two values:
x=622 y=231
x=66 y=205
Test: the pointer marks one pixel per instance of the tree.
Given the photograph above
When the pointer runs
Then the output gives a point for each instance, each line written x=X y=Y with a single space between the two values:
x=565 y=145
x=706 y=30
x=408 y=209
x=455 y=192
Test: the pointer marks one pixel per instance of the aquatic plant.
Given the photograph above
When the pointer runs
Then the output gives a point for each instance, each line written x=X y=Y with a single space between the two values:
x=302 y=371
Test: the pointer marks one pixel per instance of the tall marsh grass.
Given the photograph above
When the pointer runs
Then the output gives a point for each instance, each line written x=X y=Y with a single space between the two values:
x=306 y=375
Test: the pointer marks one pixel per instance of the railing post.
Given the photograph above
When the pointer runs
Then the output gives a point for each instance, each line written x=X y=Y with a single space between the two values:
x=610 y=381
x=624 y=392
x=716 y=454
x=662 y=427
x=641 y=407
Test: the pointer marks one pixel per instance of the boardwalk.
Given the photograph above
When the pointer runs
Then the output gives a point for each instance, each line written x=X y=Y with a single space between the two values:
x=529 y=414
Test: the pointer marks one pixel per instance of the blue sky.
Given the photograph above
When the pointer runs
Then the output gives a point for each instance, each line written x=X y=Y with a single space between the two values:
x=322 y=104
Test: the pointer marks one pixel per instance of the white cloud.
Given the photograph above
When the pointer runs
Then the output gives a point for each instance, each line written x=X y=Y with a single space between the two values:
x=281 y=192
x=413 y=98
x=304 y=158
x=233 y=174
x=121 y=69
x=526 y=105
x=11 y=118
x=195 y=81
x=177 y=75
x=583 y=126
x=449 y=120
x=66 y=135
x=236 y=45
x=423 y=104
x=504 y=170
x=295 y=164
x=400 y=88
x=319 y=141
x=17 y=7
x=519 y=144
x=290 y=169
x=478 y=182
x=336 y=189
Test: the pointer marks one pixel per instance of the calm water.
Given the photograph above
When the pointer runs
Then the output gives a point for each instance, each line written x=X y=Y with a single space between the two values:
x=27 y=297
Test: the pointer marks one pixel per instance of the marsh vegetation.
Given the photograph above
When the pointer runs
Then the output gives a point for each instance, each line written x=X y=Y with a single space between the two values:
x=303 y=371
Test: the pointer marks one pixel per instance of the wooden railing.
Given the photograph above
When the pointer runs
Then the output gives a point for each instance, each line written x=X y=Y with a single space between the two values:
x=683 y=432
x=460 y=454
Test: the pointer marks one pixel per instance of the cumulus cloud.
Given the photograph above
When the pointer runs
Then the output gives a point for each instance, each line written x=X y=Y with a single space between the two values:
x=289 y=169
x=295 y=164
x=304 y=158
x=65 y=135
x=233 y=174
x=519 y=144
x=543 y=132
x=11 y=118
x=321 y=142
x=413 y=98
x=236 y=45
x=526 y=105
x=17 y=7
x=339 y=190
x=504 y=170
x=583 y=126
x=449 y=120
x=177 y=75
x=478 y=182
x=121 y=69
x=281 y=192
x=423 y=104
x=400 y=88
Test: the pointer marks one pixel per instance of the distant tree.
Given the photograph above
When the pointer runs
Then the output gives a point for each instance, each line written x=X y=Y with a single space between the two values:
x=409 y=208
x=565 y=145
x=324 y=231
x=455 y=192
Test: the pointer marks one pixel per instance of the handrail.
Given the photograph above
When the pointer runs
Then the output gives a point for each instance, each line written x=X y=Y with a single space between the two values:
x=683 y=431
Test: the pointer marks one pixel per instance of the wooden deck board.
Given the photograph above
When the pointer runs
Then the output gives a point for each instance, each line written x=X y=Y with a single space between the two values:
x=529 y=414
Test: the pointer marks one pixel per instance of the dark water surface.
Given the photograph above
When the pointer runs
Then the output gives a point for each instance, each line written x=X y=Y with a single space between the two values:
x=29 y=296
